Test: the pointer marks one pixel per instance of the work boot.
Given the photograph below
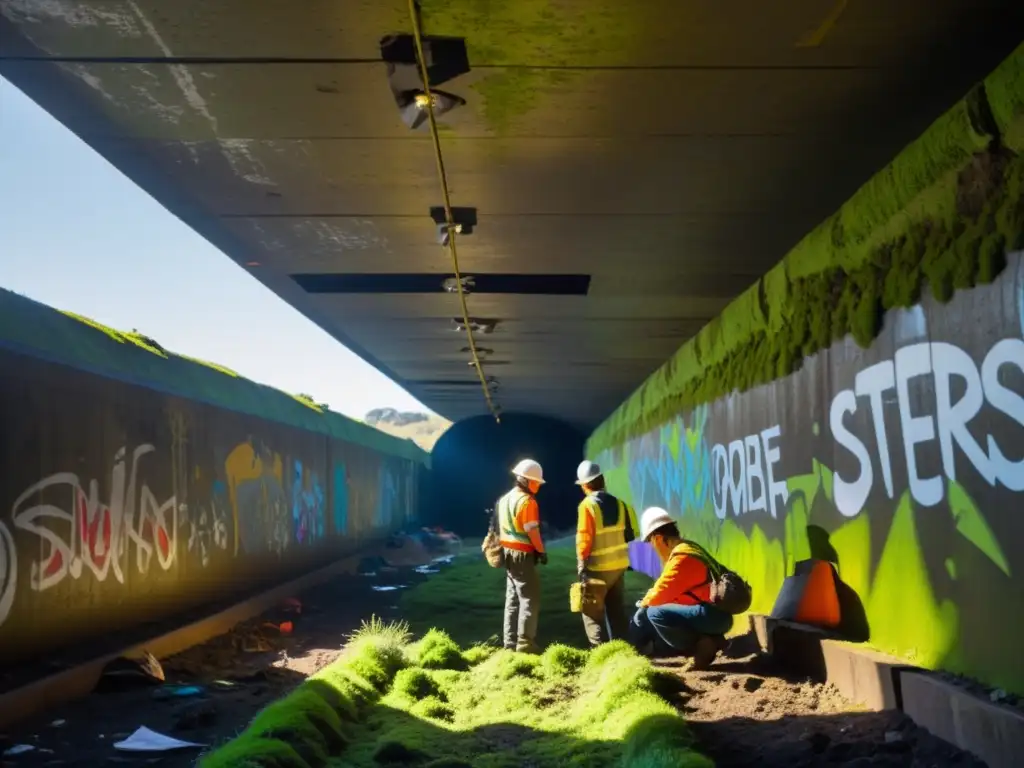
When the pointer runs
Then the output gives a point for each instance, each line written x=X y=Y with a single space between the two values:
x=528 y=646
x=704 y=652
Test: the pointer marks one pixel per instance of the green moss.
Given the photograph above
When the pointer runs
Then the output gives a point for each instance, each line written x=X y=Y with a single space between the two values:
x=1005 y=90
x=942 y=214
x=437 y=650
x=307 y=726
x=533 y=38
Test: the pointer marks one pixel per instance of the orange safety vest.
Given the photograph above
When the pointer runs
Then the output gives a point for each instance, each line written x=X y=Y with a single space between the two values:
x=512 y=533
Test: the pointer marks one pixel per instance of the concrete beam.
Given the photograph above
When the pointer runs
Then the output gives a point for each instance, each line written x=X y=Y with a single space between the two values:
x=992 y=732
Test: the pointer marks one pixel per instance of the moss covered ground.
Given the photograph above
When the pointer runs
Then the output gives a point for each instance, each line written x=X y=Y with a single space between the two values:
x=442 y=703
x=467 y=601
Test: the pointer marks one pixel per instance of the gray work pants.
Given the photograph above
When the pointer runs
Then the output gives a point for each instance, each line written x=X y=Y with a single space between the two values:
x=522 y=600
x=613 y=615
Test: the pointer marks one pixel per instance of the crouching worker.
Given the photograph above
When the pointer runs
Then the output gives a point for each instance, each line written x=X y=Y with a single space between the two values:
x=676 y=616
x=519 y=530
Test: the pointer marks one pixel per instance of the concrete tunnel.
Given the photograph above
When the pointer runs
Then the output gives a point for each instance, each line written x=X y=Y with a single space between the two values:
x=765 y=267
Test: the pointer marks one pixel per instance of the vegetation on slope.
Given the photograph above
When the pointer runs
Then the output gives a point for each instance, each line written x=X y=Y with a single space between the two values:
x=387 y=701
x=490 y=708
x=942 y=214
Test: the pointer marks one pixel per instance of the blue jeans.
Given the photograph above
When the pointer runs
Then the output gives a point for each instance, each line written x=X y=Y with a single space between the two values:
x=677 y=626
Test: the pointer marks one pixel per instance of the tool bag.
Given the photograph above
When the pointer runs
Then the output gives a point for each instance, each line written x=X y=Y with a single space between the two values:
x=491 y=547
x=587 y=596
x=728 y=591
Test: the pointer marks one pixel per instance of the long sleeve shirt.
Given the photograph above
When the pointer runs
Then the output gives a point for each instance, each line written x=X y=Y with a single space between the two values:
x=682 y=574
x=585 y=528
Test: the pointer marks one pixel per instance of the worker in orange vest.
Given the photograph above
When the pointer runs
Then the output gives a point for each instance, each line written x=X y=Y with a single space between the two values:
x=519 y=531
x=676 y=614
x=604 y=529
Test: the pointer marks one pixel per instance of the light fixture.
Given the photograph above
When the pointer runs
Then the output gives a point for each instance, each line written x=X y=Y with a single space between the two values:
x=451 y=285
x=476 y=324
x=413 y=106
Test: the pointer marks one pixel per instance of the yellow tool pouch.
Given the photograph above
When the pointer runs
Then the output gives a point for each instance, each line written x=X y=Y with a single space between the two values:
x=587 y=596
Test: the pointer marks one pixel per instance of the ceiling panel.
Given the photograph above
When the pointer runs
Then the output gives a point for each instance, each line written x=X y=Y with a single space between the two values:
x=672 y=150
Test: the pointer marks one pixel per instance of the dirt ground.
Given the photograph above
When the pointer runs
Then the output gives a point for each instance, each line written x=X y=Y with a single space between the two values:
x=745 y=711
x=238 y=674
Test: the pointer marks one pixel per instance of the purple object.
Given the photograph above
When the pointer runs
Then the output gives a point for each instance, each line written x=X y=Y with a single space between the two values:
x=644 y=559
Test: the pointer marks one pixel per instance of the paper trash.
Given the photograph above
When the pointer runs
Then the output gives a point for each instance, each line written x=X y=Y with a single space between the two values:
x=145 y=740
x=18 y=749
x=425 y=569
x=446 y=560
x=387 y=587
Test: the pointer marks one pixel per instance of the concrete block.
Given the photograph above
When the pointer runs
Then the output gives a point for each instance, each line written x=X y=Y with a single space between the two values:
x=796 y=646
x=994 y=733
x=863 y=675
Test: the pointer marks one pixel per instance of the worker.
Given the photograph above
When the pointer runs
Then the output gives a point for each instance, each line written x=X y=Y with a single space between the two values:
x=603 y=530
x=675 y=615
x=519 y=531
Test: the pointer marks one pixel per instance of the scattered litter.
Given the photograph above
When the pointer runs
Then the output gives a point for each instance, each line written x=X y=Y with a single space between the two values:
x=145 y=740
x=285 y=627
x=18 y=749
x=177 y=691
x=224 y=683
x=998 y=695
x=388 y=587
x=891 y=737
x=426 y=569
x=446 y=560
x=368 y=574
x=125 y=672
x=58 y=723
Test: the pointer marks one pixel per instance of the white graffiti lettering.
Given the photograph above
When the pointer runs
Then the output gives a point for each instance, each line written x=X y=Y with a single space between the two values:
x=943 y=363
x=743 y=475
x=89 y=534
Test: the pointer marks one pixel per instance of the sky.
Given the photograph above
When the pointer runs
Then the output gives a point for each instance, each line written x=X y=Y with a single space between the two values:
x=78 y=235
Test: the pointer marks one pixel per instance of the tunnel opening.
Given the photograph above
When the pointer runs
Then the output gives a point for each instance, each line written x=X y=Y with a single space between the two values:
x=471 y=468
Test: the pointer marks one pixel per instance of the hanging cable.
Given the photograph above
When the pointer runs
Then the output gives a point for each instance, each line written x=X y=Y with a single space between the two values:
x=449 y=221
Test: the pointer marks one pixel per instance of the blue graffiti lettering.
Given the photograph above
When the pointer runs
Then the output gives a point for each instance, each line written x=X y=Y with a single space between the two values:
x=340 y=499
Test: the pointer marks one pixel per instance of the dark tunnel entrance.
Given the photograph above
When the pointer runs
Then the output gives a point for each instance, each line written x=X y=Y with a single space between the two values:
x=471 y=467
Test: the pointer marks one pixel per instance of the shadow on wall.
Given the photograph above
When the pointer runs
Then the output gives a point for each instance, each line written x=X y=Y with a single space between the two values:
x=470 y=467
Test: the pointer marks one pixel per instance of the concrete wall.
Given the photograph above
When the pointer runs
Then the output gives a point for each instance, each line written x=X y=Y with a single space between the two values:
x=121 y=505
x=903 y=463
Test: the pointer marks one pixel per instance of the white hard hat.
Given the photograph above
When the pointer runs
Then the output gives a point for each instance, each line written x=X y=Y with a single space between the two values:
x=587 y=471
x=652 y=519
x=528 y=469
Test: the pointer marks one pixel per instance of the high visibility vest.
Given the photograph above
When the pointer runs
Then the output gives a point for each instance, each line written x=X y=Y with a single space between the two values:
x=511 y=533
x=609 y=551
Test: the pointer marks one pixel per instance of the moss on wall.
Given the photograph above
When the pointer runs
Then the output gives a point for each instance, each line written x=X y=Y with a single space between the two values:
x=941 y=215
x=520 y=41
x=28 y=327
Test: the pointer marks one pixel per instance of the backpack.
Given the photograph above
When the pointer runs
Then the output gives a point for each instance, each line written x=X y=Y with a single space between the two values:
x=491 y=546
x=728 y=591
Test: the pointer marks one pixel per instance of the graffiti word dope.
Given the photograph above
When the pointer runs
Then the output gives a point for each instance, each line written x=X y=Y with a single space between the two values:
x=744 y=475
x=944 y=363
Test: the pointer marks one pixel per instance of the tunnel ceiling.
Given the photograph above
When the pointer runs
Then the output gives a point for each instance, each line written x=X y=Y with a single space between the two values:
x=658 y=155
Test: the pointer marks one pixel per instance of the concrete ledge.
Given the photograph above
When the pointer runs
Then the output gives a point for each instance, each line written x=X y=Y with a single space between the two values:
x=864 y=675
x=994 y=733
x=79 y=681
x=861 y=674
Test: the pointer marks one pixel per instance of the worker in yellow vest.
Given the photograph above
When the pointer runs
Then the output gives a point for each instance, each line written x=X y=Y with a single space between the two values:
x=604 y=528
x=519 y=531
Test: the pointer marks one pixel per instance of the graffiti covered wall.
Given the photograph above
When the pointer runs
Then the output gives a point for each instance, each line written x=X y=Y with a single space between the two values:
x=902 y=463
x=121 y=505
